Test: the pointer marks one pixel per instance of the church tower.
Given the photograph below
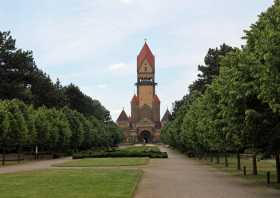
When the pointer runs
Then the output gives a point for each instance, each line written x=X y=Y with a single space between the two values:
x=146 y=76
x=144 y=123
x=147 y=101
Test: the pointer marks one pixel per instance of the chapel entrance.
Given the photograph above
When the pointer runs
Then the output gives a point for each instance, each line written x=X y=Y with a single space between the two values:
x=146 y=137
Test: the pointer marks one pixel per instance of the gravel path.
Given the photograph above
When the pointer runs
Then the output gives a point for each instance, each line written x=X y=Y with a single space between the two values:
x=36 y=165
x=179 y=177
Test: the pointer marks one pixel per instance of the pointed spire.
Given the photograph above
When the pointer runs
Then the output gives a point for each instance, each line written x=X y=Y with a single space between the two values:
x=146 y=53
x=122 y=117
x=167 y=116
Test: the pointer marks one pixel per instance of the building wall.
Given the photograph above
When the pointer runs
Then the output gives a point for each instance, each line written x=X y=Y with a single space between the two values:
x=145 y=70
x=134 y=112
x=146 y=95
x=145 y=113
x=156 y=112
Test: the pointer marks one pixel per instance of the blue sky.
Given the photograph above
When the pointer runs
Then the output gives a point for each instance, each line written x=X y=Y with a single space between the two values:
x=94 y=43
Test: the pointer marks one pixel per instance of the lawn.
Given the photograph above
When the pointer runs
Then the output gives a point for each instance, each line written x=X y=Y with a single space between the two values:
x=97 y=162
x=82 y=183
x=263 y=167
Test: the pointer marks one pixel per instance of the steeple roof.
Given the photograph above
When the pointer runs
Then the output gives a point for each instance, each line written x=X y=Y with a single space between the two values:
x=156 y=99
x=166 y=117
x=146 y=53
x=135 y=99
x=123 y=117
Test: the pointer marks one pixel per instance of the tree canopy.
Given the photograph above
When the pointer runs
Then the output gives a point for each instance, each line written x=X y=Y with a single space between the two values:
x=35 y=111
x=20 y=78
x=234 y=106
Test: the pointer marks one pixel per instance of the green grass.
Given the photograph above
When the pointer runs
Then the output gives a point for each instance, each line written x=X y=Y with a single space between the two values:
x=82 y=183
x=99 y=162
x=263 y=167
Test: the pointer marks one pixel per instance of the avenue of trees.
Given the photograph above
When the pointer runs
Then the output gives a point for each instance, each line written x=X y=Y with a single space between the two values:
x=34 y=111
x=234 y=105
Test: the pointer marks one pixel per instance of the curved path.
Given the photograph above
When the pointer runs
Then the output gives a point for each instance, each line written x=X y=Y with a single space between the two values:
x=179 y=177
x=34 y=165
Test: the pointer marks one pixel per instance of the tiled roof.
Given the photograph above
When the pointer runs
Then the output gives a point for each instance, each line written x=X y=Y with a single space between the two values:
x=135 y=99
x=156 y=99
x=146 y=53
x=166 y=116
x=122 y=117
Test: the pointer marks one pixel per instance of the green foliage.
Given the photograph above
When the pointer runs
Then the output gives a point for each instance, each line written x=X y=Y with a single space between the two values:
x=34 y=111
x=234 y=105
x=4 y=126
x=20 y=78
x=52 y=130
x=85 y=104
x=151 y=152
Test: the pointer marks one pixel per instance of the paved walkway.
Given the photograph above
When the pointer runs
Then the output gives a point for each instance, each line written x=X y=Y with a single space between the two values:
x=35 y=165
x=179 y=177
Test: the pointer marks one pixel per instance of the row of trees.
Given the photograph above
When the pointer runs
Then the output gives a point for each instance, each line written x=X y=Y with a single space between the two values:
x=51 y=129
x=234 y=106
x=20 y=78
x=35 y=112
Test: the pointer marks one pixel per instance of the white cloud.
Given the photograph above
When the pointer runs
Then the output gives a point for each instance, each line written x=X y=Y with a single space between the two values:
x=126 y=1
x=119 y=66
x=102 y=86
x=78 y=40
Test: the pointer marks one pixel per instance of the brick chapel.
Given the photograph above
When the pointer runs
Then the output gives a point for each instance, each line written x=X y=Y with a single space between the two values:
x=144 y=124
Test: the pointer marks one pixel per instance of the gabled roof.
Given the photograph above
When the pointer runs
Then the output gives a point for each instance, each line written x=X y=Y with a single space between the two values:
x=156 y=99
x=135 y=99
x=146 y=53
x=123 y=117
x=166 y=117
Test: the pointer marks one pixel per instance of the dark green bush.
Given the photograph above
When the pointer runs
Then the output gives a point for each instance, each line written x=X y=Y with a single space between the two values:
x=151 y=153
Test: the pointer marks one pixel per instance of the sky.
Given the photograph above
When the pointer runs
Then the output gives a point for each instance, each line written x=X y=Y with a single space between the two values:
x=94 y=43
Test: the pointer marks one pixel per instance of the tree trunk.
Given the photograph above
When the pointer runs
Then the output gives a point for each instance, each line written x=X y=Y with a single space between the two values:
x=255 y=169
x=36 y=152
x=3 y=156
x=18 y=154
x=277 y=159
x=200 y=156
x=226 y=159
x=211 y=157
x=206 y=156
x=218 y=159
x=238 y=161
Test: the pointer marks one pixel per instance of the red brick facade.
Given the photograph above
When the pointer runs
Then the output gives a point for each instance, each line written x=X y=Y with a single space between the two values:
x=144 y=123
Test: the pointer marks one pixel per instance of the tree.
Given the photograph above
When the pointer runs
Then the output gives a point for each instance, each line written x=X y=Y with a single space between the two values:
x=42 y=127
x=263 y=41
x=84 y=104
x=77 y=128
x=237 y=99
x=4 y=131
x=211 y=69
